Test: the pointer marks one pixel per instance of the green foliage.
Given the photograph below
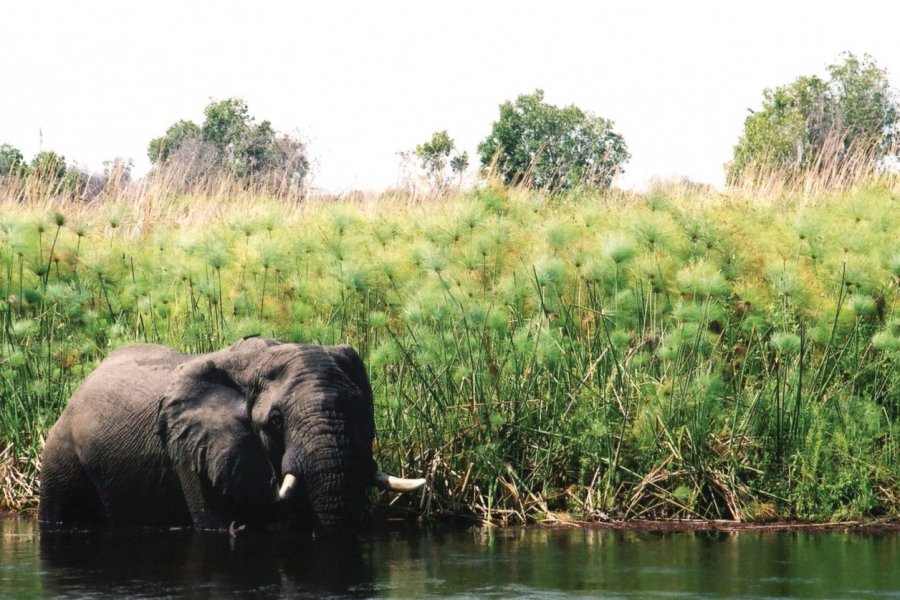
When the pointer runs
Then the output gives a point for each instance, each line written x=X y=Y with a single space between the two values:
x=814 y=124
x=11 y=160
x=659 y=357
x=227 y=123
x=48 y=166
x=177 y=135
x=864 y=101
x=47 y=176
x=552 y=148
x=75 y=180
x=231 y=142
x=435 y=158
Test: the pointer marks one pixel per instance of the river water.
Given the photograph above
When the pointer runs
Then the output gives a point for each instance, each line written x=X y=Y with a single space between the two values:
x=505 y=563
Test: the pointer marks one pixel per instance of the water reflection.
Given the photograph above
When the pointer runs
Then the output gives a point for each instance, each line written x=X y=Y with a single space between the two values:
x=151 y=564
x=447 y=564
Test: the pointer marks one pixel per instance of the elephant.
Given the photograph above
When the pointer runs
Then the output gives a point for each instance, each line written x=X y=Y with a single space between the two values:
x=260 y=431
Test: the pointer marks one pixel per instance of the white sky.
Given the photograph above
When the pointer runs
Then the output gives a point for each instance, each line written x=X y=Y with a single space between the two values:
x=361 y=81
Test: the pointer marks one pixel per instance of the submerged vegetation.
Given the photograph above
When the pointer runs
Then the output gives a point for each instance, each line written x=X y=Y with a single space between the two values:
x=592 y=356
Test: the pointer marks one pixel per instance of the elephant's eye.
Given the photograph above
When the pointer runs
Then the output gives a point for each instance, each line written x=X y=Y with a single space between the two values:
x=276 y=421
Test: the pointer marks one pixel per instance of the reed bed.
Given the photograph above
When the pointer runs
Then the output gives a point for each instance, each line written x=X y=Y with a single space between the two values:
x=679 y=354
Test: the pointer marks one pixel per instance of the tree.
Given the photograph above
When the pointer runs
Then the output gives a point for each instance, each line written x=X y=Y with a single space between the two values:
x=866 y=106
x=286 y=159
x=117 y=171
x=553 y=148
x=11 y=160
x=230 y=141
x=177 y=135
x=50 y=170
x=48 y=166
x=815 y=123
x=116 y=175
x=77 y=183
x=435 y=157
x=227 y=123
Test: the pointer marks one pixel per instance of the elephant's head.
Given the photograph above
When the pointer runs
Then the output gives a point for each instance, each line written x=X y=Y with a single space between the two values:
x=264 y=423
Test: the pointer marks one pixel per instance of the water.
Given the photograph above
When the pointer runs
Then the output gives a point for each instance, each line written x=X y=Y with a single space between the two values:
x=449 y=564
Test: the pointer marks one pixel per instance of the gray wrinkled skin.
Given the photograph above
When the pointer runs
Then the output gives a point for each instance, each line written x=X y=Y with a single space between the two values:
x=156 y=437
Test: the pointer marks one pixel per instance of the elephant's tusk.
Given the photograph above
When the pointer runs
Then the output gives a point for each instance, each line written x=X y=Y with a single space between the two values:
x=396 y=484
x=287 y=487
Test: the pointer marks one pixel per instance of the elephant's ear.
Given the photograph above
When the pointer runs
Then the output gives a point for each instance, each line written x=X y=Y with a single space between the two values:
x=205 y=427
x=348 y=359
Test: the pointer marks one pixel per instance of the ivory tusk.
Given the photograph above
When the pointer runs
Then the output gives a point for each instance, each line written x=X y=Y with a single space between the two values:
x=287 y=487
x=396 y=484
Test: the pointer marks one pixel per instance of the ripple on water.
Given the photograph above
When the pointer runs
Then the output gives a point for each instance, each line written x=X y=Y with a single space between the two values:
x=524 y=563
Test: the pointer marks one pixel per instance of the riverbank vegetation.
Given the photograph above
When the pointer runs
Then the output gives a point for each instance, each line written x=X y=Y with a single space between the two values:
x=542 y=346
x=593 y=355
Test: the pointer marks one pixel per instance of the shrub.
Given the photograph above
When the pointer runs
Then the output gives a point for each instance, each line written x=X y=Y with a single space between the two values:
x=552 y=148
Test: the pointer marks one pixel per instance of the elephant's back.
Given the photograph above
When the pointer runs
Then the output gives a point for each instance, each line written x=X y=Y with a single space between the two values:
x=144 y=357
x=130 y=375
x=118 y=401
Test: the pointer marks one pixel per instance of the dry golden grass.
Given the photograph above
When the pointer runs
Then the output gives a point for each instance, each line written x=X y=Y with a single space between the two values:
x=837 y=168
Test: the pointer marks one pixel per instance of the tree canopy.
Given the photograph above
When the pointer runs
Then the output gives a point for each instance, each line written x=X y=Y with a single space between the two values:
x=437 y=155
x=543 y=146
x=231 y=141
x=816 y=123
x=11 y=160
x=48 y=166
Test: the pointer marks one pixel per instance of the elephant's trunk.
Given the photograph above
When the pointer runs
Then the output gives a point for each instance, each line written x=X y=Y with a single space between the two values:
x=381 y=480
x=328 y=479
x=337 y=502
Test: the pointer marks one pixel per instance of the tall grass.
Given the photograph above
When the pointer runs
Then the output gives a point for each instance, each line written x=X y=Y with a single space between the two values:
x=841 y=164
x=539 y=359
